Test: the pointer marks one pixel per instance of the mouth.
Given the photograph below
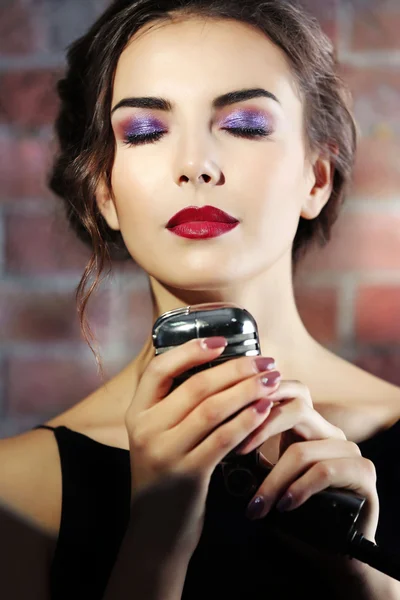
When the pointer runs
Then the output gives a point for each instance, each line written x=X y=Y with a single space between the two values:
x=201 y=230
x=192 y=214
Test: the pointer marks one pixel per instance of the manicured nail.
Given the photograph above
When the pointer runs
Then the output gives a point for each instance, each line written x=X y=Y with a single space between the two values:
x=264 y=364
x=263 y=405
x=214 y=342
x=271 y=380
x=255 y=508
x=285 y=502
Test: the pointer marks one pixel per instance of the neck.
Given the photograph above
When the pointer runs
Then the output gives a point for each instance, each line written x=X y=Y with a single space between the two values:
x=269 y=297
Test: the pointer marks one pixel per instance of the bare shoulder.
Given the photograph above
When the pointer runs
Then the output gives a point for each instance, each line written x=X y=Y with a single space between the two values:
x=101 y=415
x=30 y=508
x=30 y=468
x=357 y=401
x=31 y=498
x=30 y=479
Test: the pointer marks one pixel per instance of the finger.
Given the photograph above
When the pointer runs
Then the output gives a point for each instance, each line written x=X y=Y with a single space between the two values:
x=203 y=416
x=225 y=438
x=204 y=388
x=291 y=389
x=297 y=417
x=298 y=459
x=340 y=472
x=158 y=376
x=357 y=474
x=225 y=376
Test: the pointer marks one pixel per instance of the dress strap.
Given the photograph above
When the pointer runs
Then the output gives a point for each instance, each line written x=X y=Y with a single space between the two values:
x=44 y=427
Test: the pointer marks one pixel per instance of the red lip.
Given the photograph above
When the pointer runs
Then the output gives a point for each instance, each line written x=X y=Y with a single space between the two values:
x=205 y=213
x=201 y=230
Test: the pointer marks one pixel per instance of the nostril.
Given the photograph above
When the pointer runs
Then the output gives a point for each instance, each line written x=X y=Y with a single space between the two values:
x=206 y=178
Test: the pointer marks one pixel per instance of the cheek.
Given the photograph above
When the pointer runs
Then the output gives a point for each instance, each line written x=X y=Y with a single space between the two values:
x=275 y=195
x=134 y=187
x=273 y=173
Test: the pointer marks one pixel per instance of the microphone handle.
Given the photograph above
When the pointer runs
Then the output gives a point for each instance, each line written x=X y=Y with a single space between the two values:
x=326 y=520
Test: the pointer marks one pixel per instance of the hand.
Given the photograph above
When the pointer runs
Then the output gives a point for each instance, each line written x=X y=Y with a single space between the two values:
x=189 y=430
x=313 y=455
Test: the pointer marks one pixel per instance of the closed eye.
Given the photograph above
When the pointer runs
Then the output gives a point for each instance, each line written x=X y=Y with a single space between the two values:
x=143 y=138
x=248 y=131
x=150 y=138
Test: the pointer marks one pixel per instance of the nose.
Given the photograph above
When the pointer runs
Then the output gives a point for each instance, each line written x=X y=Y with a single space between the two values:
x=199 y=174
x=196 y=164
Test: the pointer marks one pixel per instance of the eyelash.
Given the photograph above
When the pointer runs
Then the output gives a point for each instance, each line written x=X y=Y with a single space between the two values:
x=150 y=138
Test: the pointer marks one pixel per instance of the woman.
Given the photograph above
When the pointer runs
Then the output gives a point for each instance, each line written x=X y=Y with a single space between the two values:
x=235 y=106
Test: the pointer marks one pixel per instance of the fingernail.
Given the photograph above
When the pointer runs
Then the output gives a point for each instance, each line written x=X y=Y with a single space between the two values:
x=271 y=380
x=285 y=502
x=214 y=342
x=264 y=364
x=263 y=405
x=255 y=508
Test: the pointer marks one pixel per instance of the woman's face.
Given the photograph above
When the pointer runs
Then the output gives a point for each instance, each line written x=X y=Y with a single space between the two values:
x=201 y=154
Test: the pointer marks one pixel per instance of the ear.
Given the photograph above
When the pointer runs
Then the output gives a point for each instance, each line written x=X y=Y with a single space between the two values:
x=106 y=205
x=319 y=186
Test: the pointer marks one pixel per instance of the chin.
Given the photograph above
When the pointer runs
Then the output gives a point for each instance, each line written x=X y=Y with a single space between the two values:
x=200 y=285
x=215 y=271
x=203 y=280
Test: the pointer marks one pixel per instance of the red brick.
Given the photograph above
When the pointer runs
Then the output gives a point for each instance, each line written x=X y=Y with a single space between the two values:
x=318 y=308
x=359 y=241
x=44 y=316
x=377 y=169
x=376 y=96
x=320 y=11
x=48 y=386
x=24 y=164
x=383 y=363
x=325 y=13
x=20 y=29
x=28 y=98
x=378 y=314
x=376 y=26
x=41 y=244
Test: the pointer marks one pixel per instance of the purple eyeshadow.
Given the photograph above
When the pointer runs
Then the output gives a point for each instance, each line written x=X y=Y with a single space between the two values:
x=248 y=119
x=142 y=127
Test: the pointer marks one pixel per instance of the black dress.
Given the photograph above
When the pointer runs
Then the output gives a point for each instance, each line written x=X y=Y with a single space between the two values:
x=235 y=558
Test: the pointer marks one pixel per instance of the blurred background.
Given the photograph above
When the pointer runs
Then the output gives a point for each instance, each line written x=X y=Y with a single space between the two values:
x=348 y=294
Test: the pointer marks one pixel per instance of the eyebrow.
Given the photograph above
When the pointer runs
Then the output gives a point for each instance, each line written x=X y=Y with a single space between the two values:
x=219 y=102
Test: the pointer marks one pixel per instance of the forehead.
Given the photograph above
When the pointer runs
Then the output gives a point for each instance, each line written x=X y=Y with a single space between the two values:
x=191 y=55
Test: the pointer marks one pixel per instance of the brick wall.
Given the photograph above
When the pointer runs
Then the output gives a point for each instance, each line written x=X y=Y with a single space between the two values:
x=348 y=294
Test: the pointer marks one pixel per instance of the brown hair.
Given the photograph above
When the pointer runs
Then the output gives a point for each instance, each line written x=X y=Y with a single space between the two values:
x=86 y=140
